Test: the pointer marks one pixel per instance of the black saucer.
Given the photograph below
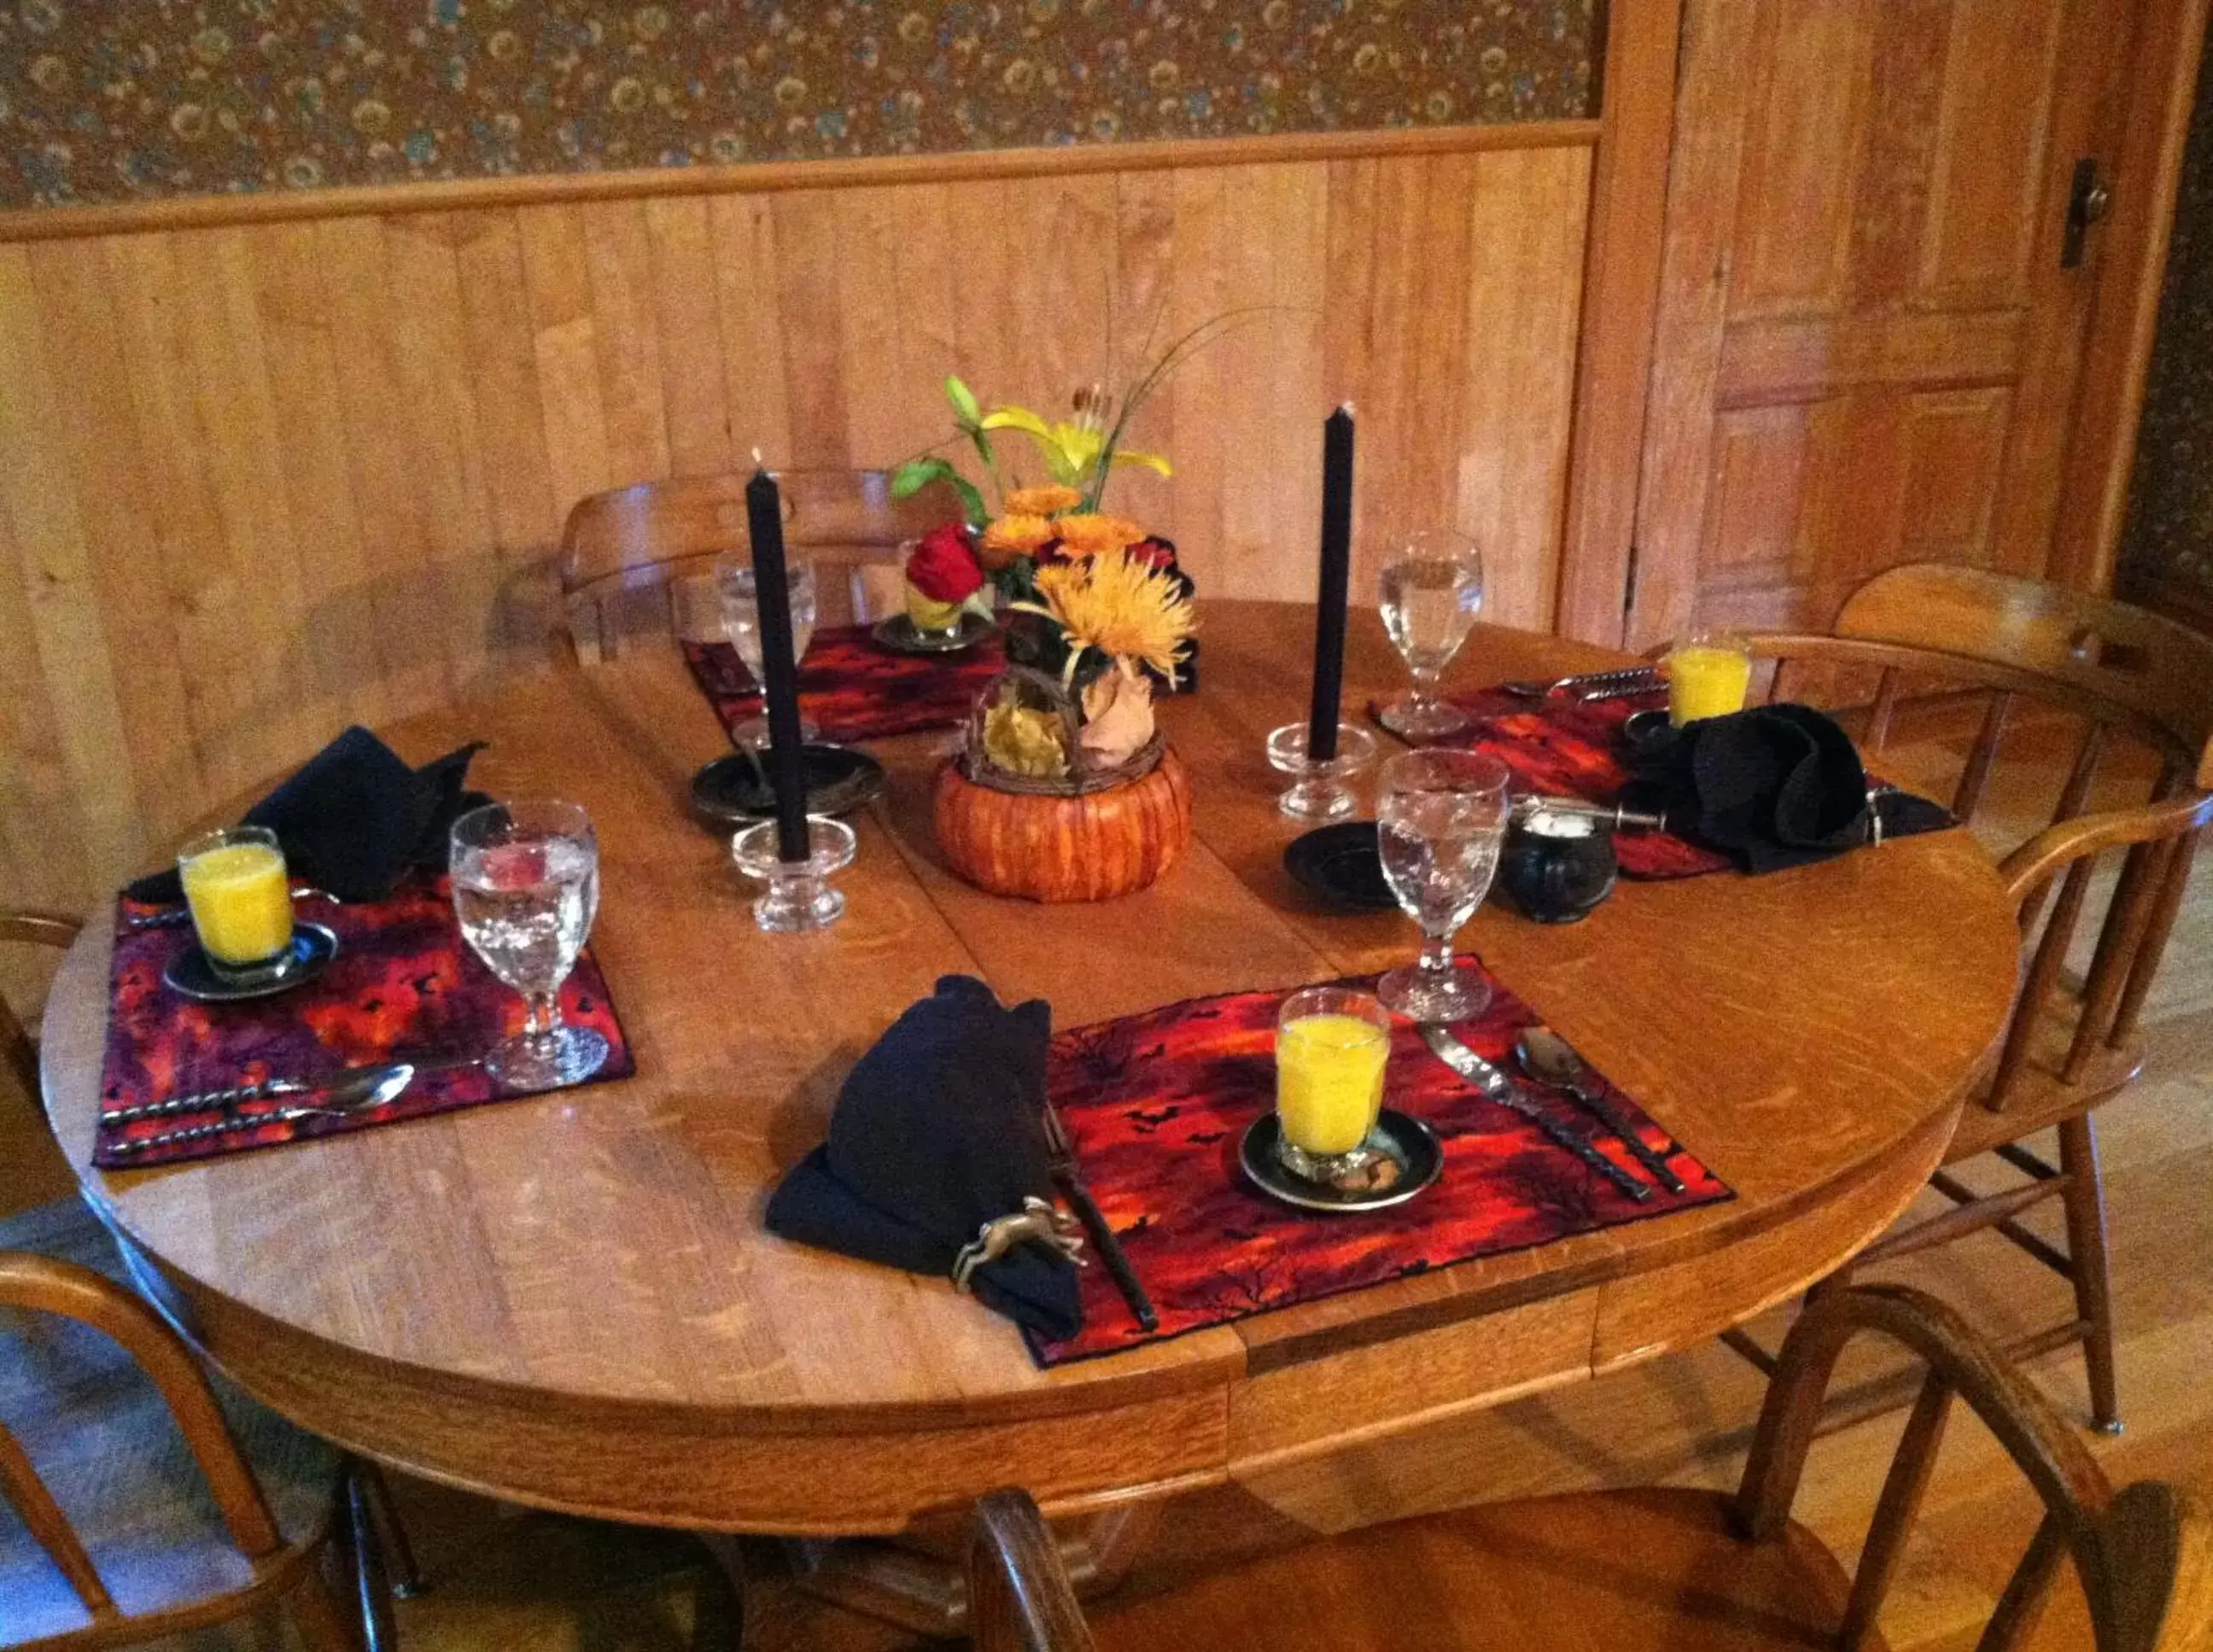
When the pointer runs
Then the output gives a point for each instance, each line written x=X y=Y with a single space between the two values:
x=1407 y=1141
x=312 y=949
x=731 y=791
x=1648 y=733
x=899 y=634
x=1341 y=864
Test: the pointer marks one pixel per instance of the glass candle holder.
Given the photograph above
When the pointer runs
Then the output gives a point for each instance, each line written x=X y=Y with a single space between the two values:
x=1318 y=791
x=798 y=896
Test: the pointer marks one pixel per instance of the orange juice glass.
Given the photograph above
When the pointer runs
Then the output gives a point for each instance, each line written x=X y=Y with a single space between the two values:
x=240 y=897
x=1708 y=674
x=1332 y=1044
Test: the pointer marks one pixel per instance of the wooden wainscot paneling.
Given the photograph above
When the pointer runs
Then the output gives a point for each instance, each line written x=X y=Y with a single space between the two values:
x=263 y=473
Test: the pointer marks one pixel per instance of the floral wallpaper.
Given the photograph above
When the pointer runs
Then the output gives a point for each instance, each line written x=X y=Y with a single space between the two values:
x=2169 y=539
x=105 y=101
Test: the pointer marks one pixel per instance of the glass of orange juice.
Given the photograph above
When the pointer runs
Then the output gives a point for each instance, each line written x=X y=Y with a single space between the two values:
x=1708 y=674
x=241 y=897
x=1331 y=1044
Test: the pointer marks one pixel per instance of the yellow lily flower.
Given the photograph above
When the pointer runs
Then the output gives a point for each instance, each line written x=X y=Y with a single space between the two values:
x=1070 y=450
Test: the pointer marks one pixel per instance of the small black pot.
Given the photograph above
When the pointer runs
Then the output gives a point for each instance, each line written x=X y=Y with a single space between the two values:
x=1557 y=868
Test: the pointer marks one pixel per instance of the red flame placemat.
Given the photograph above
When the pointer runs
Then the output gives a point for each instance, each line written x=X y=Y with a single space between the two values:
x=1562 y=747
x=854 y=688
x=1157 y=1104
x=404 y=987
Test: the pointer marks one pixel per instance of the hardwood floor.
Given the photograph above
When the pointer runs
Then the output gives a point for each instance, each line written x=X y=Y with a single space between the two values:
x=505 y=1579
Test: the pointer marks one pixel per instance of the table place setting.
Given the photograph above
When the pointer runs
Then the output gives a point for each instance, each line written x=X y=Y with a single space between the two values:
x=444 y=965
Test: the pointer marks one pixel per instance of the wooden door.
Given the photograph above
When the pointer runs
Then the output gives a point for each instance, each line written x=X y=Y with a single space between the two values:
x=1867 y=347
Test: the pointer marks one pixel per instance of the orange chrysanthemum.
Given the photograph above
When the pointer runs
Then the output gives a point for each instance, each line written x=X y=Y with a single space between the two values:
x=1011 y=536
x=1093 y=535
x=1042 y=501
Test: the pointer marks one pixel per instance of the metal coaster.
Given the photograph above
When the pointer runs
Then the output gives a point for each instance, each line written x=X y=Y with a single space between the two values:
x=1648 y=733
x=898 y=634
x=1407 y=1141
x=1343 y=865
x=731 y=791
x=312 y=949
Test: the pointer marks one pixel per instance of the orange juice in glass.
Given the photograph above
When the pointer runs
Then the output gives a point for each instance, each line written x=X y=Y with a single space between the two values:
x=240 y=899
x=1331 y=1044
x=1708 y=674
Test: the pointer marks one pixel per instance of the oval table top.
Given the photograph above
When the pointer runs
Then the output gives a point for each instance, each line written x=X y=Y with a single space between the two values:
x=571 y=1300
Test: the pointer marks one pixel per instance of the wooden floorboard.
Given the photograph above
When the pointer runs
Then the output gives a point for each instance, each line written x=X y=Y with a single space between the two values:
x=505 y=1579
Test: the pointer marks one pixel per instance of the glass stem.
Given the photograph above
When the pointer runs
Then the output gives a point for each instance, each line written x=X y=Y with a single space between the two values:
x=544 y=1017
x=1436 y=955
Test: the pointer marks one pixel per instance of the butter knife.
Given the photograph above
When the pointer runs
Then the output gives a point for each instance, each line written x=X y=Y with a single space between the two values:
x=1497 y=1087
x=1062 y=1154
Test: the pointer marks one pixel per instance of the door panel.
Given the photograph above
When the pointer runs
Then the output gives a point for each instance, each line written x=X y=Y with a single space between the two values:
x=1866 y=349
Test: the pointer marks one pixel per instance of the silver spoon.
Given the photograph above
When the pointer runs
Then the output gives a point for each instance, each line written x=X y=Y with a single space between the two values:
x=370 y=1090
x=1550 y=1059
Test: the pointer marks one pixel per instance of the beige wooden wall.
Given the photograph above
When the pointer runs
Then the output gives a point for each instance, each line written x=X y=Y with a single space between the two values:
x=261 y=477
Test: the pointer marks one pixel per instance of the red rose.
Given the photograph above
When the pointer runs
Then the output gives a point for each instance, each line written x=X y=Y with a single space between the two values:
x=943 y=566
x=1156 y=551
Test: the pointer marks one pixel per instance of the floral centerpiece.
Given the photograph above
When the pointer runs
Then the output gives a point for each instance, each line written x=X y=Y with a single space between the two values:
x=1099 y=619
x=1092 y=600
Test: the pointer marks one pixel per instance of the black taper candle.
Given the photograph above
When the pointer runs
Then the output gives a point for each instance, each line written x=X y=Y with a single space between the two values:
x=780 y=673
x=1335 y=583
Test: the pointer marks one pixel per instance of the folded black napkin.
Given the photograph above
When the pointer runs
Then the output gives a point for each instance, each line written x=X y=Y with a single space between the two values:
x=355 y=818
x=937 y=1132
x=1773 y=786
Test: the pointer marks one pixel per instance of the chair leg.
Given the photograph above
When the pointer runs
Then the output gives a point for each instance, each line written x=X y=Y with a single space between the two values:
x=365 y=1557
x=399 y=1554
x=2092 y=1273
x=317 y=1616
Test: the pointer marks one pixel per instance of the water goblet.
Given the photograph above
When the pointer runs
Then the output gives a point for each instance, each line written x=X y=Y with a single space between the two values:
x=525 y=890
x=740 y=598
x=1440 y=821
x=1431 y=590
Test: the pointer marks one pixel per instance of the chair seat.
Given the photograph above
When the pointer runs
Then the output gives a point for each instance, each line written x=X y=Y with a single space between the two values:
x=1654 y=1569
x=2040 y=1098
x=107 y=1447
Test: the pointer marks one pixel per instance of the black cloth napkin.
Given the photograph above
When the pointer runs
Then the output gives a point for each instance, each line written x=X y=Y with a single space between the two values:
x=1772 y=786
x=937 y=1130
x=355 y=818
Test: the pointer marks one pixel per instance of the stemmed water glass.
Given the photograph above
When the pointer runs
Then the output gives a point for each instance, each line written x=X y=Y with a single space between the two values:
x=1431 y=591
x=740 y=603
x=1440 y=819
x=526 y=889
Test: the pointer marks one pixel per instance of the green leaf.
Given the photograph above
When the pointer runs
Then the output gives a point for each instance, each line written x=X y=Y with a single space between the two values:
x=972 y=498
x=963 y=400
x=916 y=474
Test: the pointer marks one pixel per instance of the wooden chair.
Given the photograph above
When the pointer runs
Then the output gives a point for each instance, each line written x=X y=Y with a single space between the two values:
x=2128 y=677
x=117 y=1543
x=120 y=1539
x=1663 y=1569
x=31 y=1170
x=635 y=559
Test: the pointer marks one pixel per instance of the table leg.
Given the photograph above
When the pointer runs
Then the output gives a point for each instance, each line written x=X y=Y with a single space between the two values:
x=927 y=1593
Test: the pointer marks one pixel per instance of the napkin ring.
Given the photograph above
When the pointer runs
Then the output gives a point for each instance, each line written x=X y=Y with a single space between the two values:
x=1037 y=1220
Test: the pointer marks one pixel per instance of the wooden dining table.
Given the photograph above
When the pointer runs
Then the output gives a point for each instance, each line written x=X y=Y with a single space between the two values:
x=569 y=1300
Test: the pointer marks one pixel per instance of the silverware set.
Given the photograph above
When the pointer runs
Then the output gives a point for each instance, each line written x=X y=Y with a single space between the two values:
x=1498 y=1086
x=177 y=917
x=1617 y=684
x=336 y=1096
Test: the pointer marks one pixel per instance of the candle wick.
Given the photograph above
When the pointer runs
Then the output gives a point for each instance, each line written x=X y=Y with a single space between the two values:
x=1343 y=408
